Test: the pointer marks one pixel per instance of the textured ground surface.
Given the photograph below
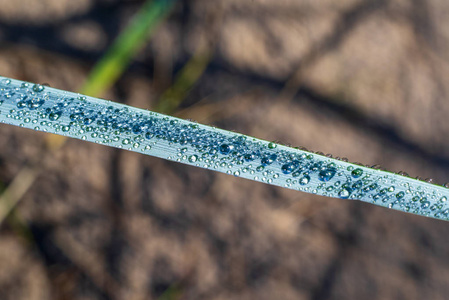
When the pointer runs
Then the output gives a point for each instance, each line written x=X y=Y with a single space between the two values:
x=361 y=79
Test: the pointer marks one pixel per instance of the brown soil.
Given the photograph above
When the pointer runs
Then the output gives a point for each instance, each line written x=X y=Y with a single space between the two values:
x=361 y=79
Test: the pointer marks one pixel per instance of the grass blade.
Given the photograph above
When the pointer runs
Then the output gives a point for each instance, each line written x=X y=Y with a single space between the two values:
x=50 y=110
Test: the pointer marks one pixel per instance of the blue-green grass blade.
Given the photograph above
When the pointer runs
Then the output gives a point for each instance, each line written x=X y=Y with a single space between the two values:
x=69 y=114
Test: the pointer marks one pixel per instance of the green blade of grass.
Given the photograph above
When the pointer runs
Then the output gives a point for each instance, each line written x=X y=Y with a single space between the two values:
x=121 y=126
x=124 y=48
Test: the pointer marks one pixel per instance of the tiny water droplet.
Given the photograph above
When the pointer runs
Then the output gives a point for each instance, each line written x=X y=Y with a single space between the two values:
x=193 y=158
x=402 y=173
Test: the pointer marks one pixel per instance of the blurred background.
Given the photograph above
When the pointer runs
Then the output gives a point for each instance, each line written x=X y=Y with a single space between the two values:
x=362 y=79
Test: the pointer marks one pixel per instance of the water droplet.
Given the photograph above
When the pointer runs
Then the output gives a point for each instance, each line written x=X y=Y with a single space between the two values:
x=344 y=193
x=402 y=173
x=249 y=157
x=268 y=160
x=21 y=104
x=296 y=174
x=400 y=195
x=125 y=141
x=304 y=180
x=326 y=174
x=193 y=158
x=272 y=145
x=38 y=88
x=357 y=173
x=225 y=148
x=370 y=188
x=290 y=167
x=53 y=116
x=425 y=204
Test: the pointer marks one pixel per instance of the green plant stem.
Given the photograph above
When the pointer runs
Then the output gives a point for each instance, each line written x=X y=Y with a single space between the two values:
x=125 y=47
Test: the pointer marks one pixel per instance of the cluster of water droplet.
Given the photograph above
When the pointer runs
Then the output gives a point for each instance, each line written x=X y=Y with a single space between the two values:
x=46 y=109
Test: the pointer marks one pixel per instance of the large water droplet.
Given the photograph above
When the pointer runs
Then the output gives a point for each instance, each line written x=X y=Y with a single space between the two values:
x=225 y=148
x=344 y=193
x=290 y=167
x=357 y=173
x=327 y=174
x=249 y=157
x=272 y=145
x=268 y=160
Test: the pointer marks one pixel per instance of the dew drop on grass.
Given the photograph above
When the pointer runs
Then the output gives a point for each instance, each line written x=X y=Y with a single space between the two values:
x=327 y=174
x=304 y=180
x=268 y=160
x=272 y=145
x=225 y=148
x=344 y=193
x=38 y=88
x=357 y=173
